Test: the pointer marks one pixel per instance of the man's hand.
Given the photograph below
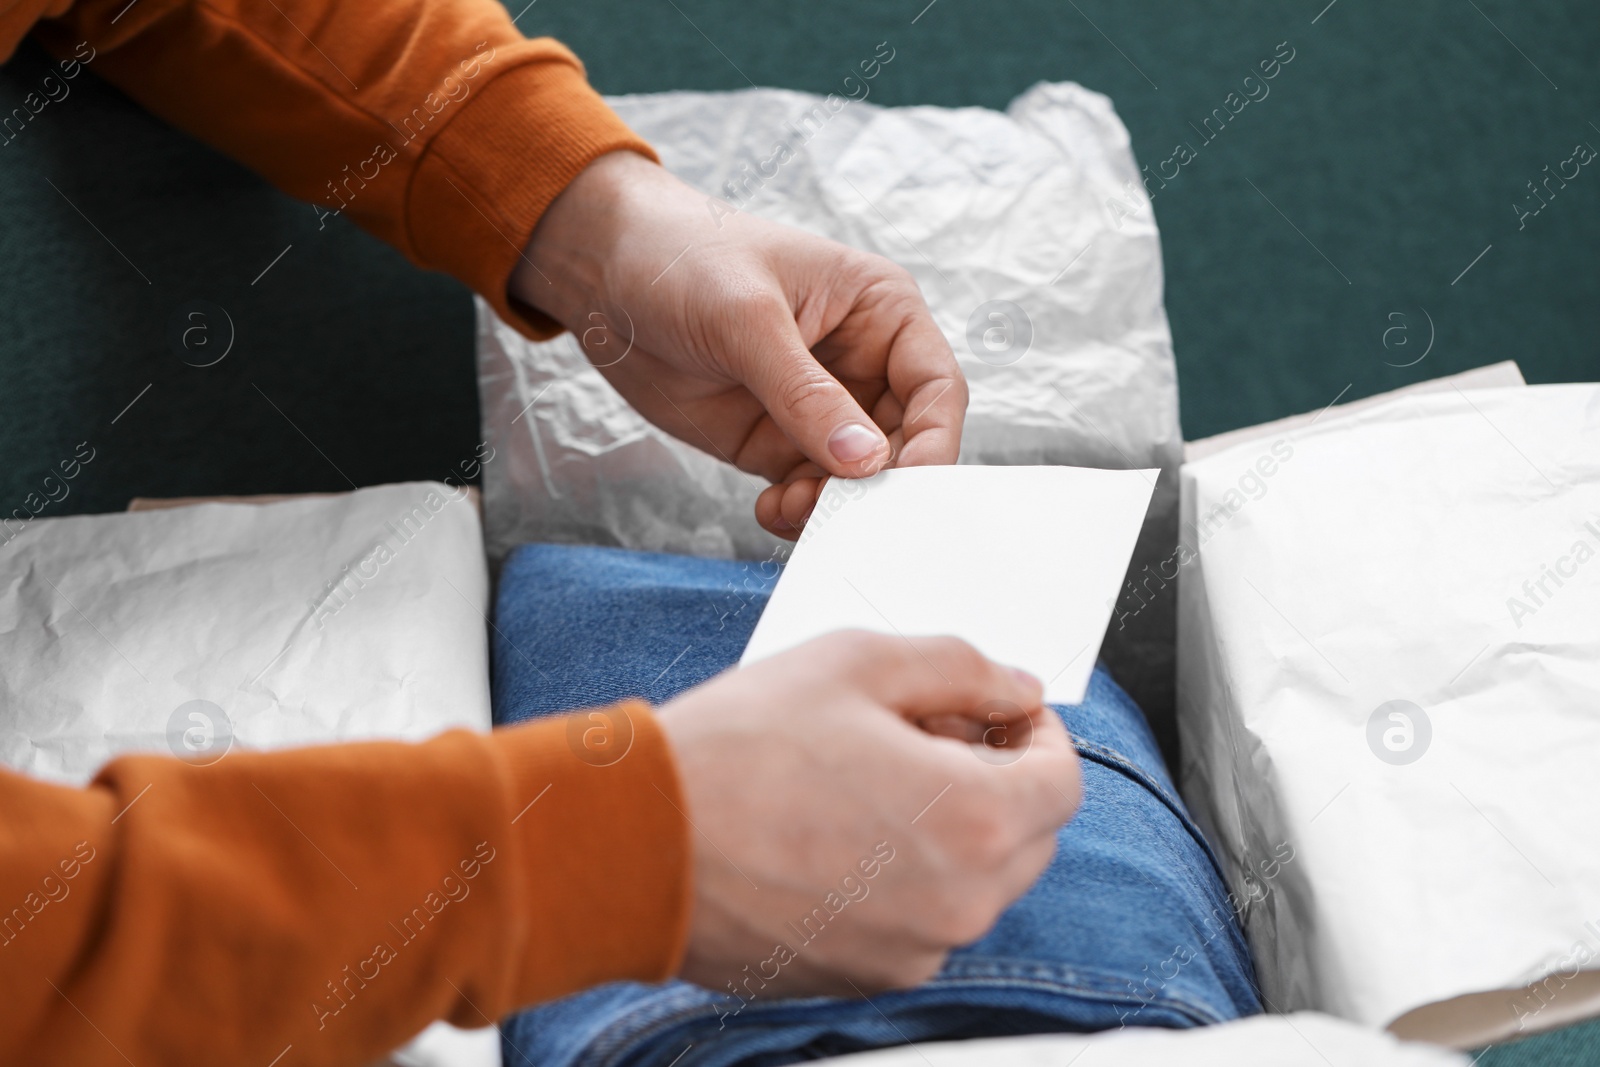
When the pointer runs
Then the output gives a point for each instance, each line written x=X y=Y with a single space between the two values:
x=850 y=824
x=761 y=344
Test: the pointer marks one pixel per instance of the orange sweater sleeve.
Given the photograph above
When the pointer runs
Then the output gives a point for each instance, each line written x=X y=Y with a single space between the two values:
x=331 y=901
x=434 y=124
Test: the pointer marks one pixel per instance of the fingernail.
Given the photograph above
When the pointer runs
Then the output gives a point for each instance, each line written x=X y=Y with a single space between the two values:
x=853 y=442
x=1026 y=679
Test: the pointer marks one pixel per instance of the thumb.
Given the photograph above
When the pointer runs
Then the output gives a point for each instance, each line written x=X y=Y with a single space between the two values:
x=809 y=405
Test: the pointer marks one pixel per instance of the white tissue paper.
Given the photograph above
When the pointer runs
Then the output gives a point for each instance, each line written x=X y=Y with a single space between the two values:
x=1304 y=1039
x=1389 y=668
x=1034 y=244
x=194 y=629
x=335 y=618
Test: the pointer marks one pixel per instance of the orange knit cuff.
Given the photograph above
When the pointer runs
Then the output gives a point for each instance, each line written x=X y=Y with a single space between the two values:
x=488 y=177
x=605 y=850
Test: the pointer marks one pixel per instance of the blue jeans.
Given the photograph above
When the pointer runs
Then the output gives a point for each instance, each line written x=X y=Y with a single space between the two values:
x=1130 y=925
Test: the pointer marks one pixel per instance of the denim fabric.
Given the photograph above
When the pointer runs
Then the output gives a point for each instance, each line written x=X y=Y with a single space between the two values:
x=1130 y=925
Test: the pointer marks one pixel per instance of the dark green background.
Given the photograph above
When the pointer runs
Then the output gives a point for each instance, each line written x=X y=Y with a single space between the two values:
x=1396 y=141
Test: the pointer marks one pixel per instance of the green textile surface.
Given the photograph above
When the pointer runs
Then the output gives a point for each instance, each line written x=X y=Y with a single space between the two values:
x=370 y=358
x=1385 y=161
x=1576 y=1046
x=1386 y=157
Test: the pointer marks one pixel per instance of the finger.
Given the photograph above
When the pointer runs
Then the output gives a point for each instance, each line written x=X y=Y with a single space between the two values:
x=809 y=405
x=924 y=677
x=783 y=509
x=997 y=729
x=956 y=727
x=1025 y=757
x=769 y=512
x=767 y=449
x=1037 y=786
x=924 y=376
x=1048 y=779
x=800 y=499
x=716 y=418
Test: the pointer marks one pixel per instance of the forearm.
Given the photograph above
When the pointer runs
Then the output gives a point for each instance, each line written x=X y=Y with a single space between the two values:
x=338 y=899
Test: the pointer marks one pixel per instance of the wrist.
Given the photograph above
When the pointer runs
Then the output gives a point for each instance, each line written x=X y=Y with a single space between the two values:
x=562 y=268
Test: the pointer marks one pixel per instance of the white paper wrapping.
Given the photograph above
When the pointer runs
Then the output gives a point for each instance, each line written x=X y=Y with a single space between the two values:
x=1304 y=1039
x=289 y=617
x=1389 y=659
x=1036 y=215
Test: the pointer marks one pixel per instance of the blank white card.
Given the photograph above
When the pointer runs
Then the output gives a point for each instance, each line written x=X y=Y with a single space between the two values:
x=1025 y=563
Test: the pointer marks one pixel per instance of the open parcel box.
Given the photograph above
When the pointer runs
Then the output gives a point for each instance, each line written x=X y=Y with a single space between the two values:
x=1389 y=698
